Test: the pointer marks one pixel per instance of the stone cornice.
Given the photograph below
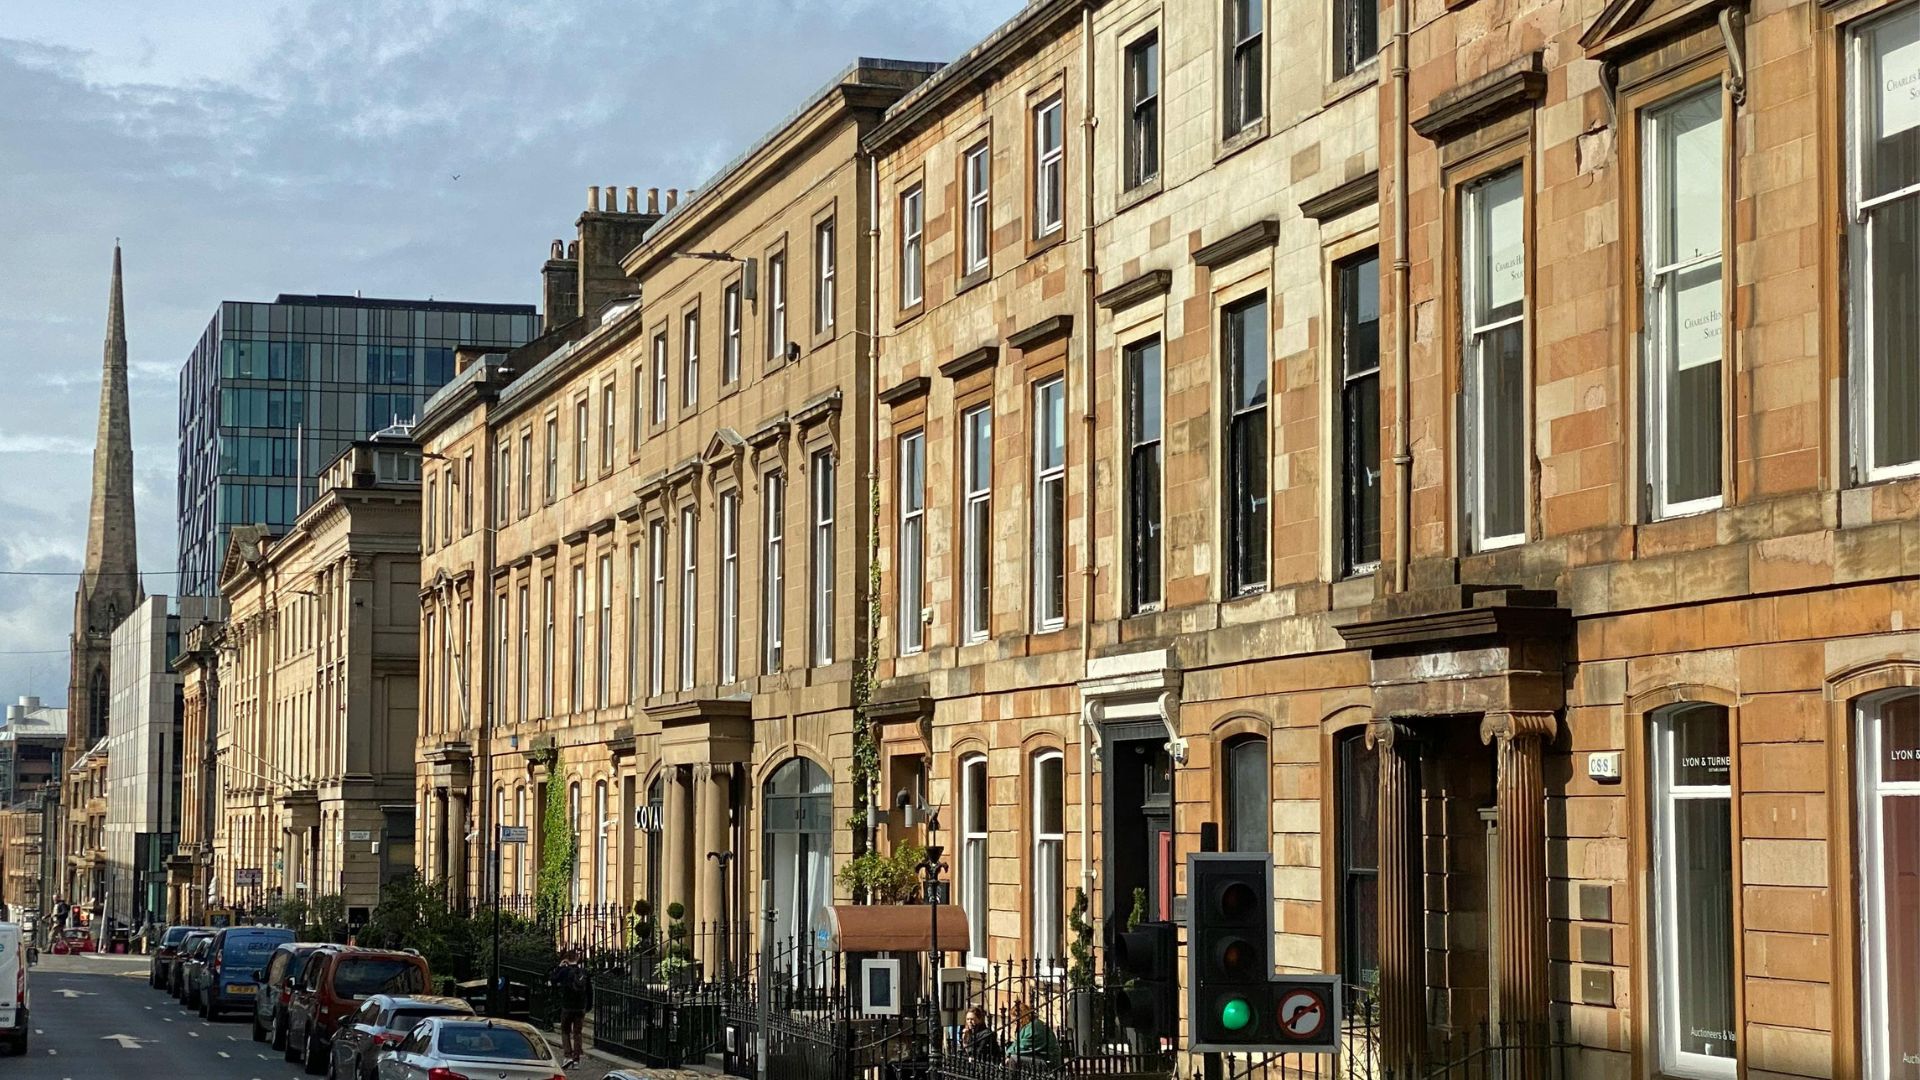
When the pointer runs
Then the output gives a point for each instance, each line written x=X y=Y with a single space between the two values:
x=1261 y=234
x=819 y=407
x=1045 y=330
x=967 y=363
x=905 y=390
x=1136 y=290
x=1455 y=112
x=1343 y=198
x=772 y=429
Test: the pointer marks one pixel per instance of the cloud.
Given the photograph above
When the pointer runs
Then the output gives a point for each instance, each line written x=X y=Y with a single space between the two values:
x=241 y=149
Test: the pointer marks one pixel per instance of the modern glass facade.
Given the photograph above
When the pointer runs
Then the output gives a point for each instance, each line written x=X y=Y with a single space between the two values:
x=273 y=392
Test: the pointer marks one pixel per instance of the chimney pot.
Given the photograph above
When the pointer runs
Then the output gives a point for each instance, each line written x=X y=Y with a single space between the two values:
x=633 y=200
x=673 y=198
x=613 y=198
x=593 y=197
x=653 y=200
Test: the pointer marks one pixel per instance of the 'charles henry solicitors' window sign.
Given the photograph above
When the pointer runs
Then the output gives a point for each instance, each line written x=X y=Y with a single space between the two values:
x=1506 y=247
x=1899 y=77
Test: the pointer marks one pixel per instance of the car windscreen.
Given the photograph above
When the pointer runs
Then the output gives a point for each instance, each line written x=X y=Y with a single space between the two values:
x=251 y=950
x=489 y=1042
x=174 y=935
x=406 y=1019
x=358 y=976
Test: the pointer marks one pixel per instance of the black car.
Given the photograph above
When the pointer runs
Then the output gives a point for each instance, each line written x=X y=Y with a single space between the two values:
x=379 y=1025
x=165 y=955
x=193 y=950
x=276 y=984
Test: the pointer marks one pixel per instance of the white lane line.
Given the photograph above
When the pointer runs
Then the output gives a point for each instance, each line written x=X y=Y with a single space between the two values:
x=223 y=1053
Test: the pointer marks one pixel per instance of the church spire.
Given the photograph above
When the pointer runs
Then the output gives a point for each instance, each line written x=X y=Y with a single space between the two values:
x=110 y=585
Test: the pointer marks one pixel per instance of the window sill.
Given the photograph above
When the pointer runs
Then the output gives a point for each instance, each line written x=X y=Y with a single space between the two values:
x=974 y=280
x=1240 y=140
x=1039 y=244
x=1365 y=76
x=907 y=314
x=1137 y=194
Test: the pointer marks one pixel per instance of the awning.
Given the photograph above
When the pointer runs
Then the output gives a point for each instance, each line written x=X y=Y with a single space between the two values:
x=863 y=928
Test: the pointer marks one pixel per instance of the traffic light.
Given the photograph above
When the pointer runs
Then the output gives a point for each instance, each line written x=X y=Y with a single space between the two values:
x=1145 y=1000
x=1229 y=950
x=1235 y=1003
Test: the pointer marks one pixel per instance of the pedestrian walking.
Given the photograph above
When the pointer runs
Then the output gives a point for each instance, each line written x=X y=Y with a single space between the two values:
x=574 y=987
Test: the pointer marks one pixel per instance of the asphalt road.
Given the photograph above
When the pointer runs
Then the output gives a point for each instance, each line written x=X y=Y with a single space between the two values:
x=96 y=1017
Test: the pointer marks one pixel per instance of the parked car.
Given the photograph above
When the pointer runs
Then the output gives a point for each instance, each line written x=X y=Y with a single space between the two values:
x=276 y=979
x=72 y=941
x=165 y=954
x=233 y=957
x=13 y=987
x=379 y=1026
x=445 y=1047
x=334 y=982
x=191 y=949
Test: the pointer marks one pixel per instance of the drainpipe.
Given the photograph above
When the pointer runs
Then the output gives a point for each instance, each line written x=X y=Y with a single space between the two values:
x=1403 y=406
x=1089 y=271
x=871 y=366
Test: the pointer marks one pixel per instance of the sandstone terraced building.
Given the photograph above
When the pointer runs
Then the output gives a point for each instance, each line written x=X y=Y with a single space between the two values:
x=1466 y=451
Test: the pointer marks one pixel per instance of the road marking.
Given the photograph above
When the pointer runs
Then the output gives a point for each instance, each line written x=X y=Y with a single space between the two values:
x=193 y=1034
x=224 y=1054
x=127 y=1042
x=71 y=994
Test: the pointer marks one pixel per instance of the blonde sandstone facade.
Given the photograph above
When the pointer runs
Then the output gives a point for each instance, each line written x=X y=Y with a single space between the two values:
x=672 y=599
x=1463 y=449
x=190 y=868
x=318 y=691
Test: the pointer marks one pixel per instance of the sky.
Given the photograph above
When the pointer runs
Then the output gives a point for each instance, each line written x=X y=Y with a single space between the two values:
x=239 y=149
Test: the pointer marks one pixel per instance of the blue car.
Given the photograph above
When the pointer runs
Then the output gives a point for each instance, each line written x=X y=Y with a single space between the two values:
x=232 y=958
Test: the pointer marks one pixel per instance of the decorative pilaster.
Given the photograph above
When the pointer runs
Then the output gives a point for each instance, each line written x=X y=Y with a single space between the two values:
x=1402 y=914
x=1522 y=800
x=457 y=846
x=678 y=830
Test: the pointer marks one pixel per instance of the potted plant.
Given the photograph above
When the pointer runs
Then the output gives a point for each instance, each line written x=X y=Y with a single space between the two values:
x=676 y=967
x=1081 y=988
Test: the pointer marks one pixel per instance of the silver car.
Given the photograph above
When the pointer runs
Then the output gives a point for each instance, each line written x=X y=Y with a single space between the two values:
x=476 y=1049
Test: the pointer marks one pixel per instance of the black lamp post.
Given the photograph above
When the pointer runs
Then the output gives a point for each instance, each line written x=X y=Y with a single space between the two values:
x=930 y=869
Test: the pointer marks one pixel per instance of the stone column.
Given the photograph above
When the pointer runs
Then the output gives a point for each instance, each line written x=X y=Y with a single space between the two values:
x=457 y=846
x=716 y=905
x=678 y=829
x=1403 y=913
x=1522 y=947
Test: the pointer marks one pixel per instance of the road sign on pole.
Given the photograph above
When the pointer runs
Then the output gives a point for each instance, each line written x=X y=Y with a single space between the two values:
x=513 y=834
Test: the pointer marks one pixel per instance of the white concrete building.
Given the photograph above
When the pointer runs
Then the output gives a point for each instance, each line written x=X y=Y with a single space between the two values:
x=143 y=763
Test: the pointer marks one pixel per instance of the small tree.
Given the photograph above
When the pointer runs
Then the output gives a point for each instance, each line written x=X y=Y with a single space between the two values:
x=893 y=878
x=327 y=917
x=1080 y=951
x=677 y=958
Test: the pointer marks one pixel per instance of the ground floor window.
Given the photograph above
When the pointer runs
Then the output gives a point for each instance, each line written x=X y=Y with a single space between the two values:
x=1889 y=807
x=1357 y=787
x=798 y=847
x=1049 y=856
x=1692 y=818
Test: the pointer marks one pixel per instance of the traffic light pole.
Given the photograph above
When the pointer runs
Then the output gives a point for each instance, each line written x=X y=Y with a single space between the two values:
x=1212 y=1065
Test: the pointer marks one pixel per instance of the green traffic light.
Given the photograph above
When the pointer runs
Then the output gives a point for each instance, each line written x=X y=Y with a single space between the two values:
x=1236 y=1014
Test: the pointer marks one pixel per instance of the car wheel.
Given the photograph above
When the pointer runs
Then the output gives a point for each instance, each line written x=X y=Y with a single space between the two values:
x=315 y=1061
x=259 y=1032
x=292 y=1045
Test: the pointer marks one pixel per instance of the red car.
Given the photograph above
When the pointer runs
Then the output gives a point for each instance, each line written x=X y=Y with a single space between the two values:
x=74 y=939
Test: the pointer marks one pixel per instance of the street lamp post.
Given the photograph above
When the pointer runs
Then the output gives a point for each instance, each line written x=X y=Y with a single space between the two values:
x=930 y=869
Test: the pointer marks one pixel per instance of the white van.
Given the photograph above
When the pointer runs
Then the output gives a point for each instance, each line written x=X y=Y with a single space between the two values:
x=13 y=987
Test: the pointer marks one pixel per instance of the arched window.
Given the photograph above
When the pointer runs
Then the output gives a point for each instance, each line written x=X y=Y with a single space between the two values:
x=1887 y=757
x=1248 y=810
x=602 y=825
x=1356 y=786
x=1049 y=856
x=1692 y=816
x=798 y=846
x=973 y=854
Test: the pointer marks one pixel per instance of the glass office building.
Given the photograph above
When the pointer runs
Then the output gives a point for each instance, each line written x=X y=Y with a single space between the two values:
x=273 y=392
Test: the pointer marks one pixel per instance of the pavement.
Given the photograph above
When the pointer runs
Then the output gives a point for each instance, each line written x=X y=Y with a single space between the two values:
x=95 y=1018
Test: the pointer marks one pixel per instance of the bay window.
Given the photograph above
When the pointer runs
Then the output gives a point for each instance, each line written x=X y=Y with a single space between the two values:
x=1683 y=343
x=1493 y=433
